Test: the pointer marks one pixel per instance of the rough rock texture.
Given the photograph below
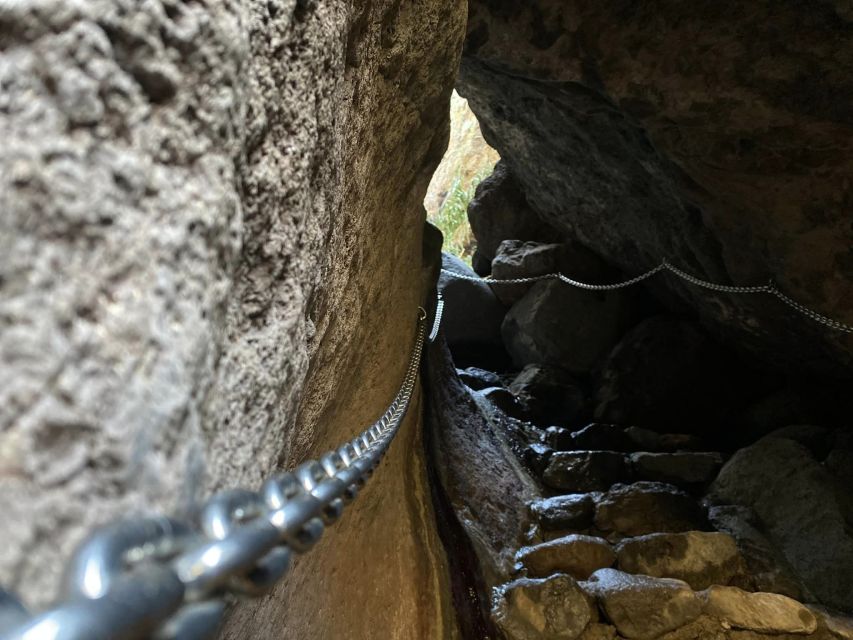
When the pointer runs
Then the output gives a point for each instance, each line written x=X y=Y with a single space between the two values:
x=798 y=501
x=551 y=609
x=642 y=607
x=581 y=471
x=714 y=136
x=763 y=612
x=572 y=511
x=683 y=469
x=699 y=558
x=498 y=212
x=552 y=395
x=574 y=554
x=647 y=507
x=199 y=204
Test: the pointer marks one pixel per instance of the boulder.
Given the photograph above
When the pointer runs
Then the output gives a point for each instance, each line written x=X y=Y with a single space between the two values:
x=640 y=607
x=505 y=400
x=574 y=554
x=648 y=507
x=651 y=378
x=552 y=608
x=683 y=469
x=648 y=440
x=560 y=439
x=607 y=437
x=761 y=612
x=768 y=570
x=803 y=509
x=557 y=324
x=478 y=379
x=551 y=395
x=472 y=314
x=699 y=558
x=815 y=438
x=537 y=456
x=560 y=513
x=582 y=471
x=498 y=212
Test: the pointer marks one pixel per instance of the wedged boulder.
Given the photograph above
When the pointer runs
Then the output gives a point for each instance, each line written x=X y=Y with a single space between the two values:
x=518 y=259
x=551 y=395
x=498 y=212
x=699 y=558
x=582 y=471
x=576 y=555
x=683 y=469
x=560 y=513
x=606 y=437
x=768 y=569
x=557 y=324
x=472 y=314
x=554 y=608
x=641 y=607
x=478 y=379
x=761 y=612
x=653 y=378
x=648 y=507
x=803 y=509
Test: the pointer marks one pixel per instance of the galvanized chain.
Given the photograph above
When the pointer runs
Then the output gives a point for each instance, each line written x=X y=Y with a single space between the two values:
x=166 y=579
x=769 y=288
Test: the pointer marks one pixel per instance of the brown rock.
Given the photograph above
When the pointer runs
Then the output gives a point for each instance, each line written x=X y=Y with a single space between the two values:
x=762 y=612
x=576 y=555
x=699 y=558
x=582 y=471
x=648 y=507
x=553 y=608
x=641 y=607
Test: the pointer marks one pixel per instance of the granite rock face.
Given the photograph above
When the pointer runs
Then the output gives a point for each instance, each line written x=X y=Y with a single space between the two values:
x=199 y=202
x=715 y=137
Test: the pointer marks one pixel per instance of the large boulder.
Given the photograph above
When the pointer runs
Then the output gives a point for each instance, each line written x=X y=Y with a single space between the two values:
x=498 y=212
x=666 y=373
x=714 y=136
x=802 y=508
x=769 y=613
x=561 y=325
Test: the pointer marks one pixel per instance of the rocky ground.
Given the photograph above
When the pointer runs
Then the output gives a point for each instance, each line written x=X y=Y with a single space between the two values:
x=672 y=489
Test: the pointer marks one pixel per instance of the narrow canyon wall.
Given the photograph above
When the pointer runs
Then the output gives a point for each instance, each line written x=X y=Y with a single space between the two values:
x=210 y=267
x=717 y=137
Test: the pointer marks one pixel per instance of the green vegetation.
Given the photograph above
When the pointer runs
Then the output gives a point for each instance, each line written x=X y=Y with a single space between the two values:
x=452 y=217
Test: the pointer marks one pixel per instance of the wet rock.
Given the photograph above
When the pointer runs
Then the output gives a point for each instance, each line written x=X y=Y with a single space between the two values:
x=498 y=212
x=560 y=513
x=699 y=558
x=574 y=554
x=582 y=471
x=560 y=439
x=648 y=507
x=761 y=612
x=472 y=314
x=537 y=456
x=813 y=437
x=641 y=607
x=651 y=378
x=563 y=326
x=504 y=400
x=803 y=510
x=603 y=437
x=478 y=379
x=552 y=608
x=686 y=469
x=768 y=570
x=551 y=395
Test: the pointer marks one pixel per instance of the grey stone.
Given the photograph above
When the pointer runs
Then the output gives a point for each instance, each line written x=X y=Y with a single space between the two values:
x=648 y=507
x=699 y=558
x=687 y=469
x=536 y=456
x=472 y=313
x=641 y=607
x=560 y=513
x=477 y=379
x=552 y=608
x=800 y=504
x=761 y=612
x=563 y=326
x=560 y=439
x=505 y=400
x=551 y=395
x=576 y=555
x=582 y=471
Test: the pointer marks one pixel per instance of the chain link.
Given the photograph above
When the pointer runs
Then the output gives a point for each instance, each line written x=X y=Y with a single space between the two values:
x=769 y=288
x=165 y=579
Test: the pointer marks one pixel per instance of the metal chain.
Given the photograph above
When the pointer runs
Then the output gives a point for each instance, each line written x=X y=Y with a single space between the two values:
x=166 y=579
x=769 y=288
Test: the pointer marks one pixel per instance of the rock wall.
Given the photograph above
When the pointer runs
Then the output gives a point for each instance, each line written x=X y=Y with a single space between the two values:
x=711 y=135
x=211 y=251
